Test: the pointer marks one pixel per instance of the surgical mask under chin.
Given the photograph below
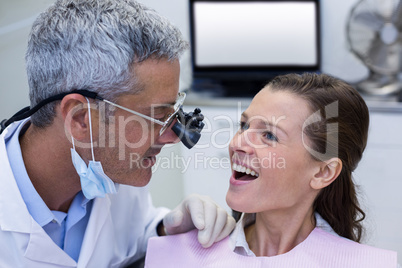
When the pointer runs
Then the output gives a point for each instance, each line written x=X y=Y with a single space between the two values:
x=94 y=181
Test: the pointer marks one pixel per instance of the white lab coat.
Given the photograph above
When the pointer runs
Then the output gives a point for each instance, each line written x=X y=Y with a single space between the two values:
x=117 y=231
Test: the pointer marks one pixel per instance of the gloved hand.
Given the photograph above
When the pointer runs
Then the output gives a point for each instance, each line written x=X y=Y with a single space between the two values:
x=200 y=212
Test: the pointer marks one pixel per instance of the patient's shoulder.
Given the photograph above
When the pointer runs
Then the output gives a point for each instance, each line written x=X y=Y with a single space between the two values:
x=172 y=242
x=320 y=249
x=181 y=250
x=324 y=244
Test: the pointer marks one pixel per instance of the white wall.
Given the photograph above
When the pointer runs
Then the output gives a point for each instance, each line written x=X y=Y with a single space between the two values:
x=16 y=18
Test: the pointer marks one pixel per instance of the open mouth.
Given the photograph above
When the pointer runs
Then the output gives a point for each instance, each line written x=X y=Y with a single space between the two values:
x=244 y=173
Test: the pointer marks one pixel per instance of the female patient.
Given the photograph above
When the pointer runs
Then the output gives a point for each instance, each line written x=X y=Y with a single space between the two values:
x=292 y=159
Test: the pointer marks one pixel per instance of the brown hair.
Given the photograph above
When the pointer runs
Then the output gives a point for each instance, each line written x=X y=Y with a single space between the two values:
x=340 y=105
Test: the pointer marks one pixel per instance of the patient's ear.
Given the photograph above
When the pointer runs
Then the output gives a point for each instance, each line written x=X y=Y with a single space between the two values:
x=74 y=110
x=328 y=172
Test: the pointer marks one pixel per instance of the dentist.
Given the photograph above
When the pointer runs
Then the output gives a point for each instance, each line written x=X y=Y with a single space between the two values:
x=103 y=78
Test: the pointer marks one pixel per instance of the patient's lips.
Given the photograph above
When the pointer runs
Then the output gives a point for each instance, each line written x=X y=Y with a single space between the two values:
x=242 y=172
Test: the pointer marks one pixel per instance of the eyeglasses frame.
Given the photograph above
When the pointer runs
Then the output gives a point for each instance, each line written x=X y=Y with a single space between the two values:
x=165 y=124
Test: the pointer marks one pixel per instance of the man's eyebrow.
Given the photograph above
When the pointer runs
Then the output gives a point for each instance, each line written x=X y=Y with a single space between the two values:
x=163 y=106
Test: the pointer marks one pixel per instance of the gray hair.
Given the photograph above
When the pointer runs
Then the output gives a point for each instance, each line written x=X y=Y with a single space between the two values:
x=92 y=45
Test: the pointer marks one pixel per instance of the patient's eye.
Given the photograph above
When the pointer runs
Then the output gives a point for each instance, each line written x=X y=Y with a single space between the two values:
x=270 y=136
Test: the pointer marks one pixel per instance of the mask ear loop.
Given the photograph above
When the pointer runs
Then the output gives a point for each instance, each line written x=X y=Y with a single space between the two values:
x=90 y=130
x=72 y=139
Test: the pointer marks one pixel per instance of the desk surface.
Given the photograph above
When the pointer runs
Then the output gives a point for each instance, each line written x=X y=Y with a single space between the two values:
x=375 y=104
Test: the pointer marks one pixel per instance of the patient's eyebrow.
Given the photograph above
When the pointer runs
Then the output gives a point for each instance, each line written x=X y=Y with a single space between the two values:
x=263 y=122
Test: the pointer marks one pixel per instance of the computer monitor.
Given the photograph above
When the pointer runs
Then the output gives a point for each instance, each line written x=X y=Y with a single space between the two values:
x=238 y=46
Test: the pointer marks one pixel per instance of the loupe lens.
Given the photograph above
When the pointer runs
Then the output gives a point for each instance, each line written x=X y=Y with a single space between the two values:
x=189 y=137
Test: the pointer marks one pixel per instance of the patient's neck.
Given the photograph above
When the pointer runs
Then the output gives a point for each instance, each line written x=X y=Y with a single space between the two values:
x=275 y=233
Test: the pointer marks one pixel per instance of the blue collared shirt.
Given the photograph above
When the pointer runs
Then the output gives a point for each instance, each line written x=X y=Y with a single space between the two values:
x=66 y=229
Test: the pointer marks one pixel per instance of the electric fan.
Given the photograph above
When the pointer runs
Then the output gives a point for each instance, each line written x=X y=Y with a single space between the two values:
x=374 y=36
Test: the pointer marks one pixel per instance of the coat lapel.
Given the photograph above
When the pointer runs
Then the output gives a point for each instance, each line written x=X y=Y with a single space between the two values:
x=41 y=248
x=15 y=217
x=99 y=219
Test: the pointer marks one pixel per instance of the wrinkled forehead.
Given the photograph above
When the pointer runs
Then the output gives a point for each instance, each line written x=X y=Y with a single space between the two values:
x=158 y=83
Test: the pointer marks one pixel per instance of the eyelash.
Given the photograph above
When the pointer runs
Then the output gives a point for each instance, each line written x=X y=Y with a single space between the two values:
x=244 y=126
x=161 y=118
x=272 y=136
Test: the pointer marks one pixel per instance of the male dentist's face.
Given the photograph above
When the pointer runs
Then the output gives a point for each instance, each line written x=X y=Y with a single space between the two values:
x=137 y=140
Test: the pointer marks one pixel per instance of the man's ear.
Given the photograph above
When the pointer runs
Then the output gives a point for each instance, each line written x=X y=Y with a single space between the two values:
x=328 y=172
x=74 y=110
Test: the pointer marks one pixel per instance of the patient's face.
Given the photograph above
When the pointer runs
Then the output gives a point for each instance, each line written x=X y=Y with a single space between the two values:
x=270 y=148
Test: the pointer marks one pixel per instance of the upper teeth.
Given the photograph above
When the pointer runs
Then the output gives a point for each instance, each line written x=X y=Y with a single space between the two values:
x=243 y=169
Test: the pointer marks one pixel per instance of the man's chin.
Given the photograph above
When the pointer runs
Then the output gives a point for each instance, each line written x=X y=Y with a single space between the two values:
x=139 y=177
x=148 y=162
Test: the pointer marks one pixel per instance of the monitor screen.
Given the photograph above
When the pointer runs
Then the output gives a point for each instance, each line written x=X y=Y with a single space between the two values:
x=253 y=39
